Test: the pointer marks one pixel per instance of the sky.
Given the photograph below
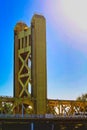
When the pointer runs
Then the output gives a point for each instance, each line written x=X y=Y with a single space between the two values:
x=66 y=39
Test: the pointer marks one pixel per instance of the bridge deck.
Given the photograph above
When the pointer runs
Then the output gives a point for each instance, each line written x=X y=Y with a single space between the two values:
x=39 y=123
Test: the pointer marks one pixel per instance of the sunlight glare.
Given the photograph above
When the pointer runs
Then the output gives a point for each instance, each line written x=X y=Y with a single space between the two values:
x=76 y=11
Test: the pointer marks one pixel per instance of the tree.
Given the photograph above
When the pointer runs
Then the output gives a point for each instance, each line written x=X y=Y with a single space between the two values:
x=6 y=108
x=83 y=97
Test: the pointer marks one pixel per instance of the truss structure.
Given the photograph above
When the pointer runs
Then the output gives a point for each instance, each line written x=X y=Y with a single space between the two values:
x=66 y=107
x=24 y=74
x=56 y=107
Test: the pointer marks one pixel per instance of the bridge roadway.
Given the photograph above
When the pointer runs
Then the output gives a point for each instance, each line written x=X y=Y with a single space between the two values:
x=41 y=122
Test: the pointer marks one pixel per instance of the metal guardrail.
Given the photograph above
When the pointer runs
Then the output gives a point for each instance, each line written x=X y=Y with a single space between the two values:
x=46 y=116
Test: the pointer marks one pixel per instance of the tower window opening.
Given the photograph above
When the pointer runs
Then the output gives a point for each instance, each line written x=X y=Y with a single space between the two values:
x=26 y=41
x=29 y=39
x=22 y=42
x=29 y=63
x=29 y=88
x=18 y=43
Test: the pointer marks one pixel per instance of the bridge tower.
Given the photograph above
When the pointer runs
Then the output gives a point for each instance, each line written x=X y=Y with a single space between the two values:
x=30 y=76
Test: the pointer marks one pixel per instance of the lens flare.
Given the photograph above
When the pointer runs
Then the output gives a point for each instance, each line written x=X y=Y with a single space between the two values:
x=69 y=19
x=76 y=11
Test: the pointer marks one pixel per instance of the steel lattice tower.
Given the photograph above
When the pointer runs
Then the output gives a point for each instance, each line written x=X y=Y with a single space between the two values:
x=30 y=76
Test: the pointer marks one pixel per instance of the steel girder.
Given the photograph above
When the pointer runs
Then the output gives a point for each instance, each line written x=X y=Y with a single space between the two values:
x=66 y=107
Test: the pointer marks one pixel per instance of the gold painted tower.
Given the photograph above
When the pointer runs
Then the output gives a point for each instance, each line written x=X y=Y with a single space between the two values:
x=30 y=75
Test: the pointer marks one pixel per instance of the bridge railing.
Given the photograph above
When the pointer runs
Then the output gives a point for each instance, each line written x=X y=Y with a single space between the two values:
x=46 y=116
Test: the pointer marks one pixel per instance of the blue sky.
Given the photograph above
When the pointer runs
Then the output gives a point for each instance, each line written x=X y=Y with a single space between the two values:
x=66 y=25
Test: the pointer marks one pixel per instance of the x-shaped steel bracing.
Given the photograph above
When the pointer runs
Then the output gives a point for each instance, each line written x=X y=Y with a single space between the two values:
x=24 y=62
